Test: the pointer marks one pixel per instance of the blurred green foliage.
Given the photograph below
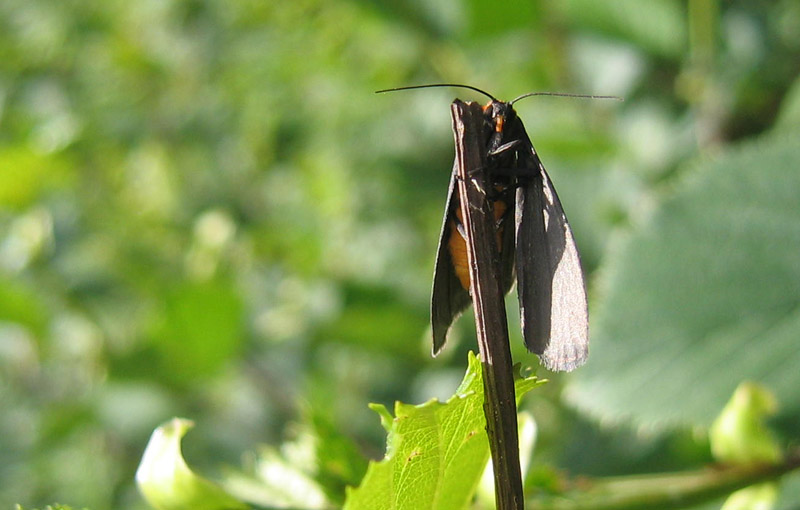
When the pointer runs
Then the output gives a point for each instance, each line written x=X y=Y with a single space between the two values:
x=205 y=211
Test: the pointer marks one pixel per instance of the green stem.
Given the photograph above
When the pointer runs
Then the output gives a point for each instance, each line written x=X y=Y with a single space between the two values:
x=666 y=491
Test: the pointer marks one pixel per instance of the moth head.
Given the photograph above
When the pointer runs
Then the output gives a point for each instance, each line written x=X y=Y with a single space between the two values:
x=498 y=114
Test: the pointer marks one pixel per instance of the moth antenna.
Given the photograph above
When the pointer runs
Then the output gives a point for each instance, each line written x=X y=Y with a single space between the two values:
x=433 y=85
x=563 y=94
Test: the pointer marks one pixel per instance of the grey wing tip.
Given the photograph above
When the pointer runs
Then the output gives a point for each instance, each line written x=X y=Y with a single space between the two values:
x=556 y=355
x=565 y=360
x=562 y=364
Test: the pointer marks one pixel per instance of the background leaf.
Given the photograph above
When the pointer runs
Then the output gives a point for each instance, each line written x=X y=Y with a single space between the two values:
x=167 y=482
x=704 y=293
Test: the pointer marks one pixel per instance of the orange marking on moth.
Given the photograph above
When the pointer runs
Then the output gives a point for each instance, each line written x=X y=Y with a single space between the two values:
x=457 y=245
x=458 y=251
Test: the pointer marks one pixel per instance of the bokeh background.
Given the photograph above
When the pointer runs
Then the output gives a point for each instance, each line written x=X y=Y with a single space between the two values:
x=205 y=211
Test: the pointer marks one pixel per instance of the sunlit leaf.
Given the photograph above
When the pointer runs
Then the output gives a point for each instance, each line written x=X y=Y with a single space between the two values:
x=167 y=482
x=280 y=481
x=19 y=304
x=740 y=434
x=308 y=472
x=25 y=175
x=435 y=453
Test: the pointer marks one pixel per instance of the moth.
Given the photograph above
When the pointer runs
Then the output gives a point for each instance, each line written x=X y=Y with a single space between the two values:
x=535 y=244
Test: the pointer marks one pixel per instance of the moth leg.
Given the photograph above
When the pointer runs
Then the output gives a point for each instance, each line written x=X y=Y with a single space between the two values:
x=460 y=227
x=499 y=223
x=503 y=148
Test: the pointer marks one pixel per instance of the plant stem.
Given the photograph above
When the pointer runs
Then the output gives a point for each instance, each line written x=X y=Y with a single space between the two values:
x=666 y=491
x=487 y=297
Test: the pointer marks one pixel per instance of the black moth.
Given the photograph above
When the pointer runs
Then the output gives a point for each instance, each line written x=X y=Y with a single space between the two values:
x=533 y=236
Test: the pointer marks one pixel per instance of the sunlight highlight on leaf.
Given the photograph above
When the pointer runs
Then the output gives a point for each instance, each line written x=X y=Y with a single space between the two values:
x=167 y=482
x=740 y=434
x=435 y=453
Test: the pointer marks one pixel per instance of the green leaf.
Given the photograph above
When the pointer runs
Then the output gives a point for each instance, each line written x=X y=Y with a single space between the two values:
x=19 y=303
x=435 y=453
x=201 y=328
x=704 y=294
x=657 y=26
x=337 y=458
x=740 y=433
x=25 y=175
x=281 y=479
x=762 y=496
x=309 y=472
x=485 y=19
x=789 y=116
x=55 y=506
x=167 y=483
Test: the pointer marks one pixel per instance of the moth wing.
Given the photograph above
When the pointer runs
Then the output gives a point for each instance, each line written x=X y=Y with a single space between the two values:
x=551 y=288
x=507 y=250
x=448 y=298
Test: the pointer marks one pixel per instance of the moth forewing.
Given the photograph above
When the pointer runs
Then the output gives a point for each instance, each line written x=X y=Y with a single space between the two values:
x=533 y=266
x=448 y=298
x=550 y=283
